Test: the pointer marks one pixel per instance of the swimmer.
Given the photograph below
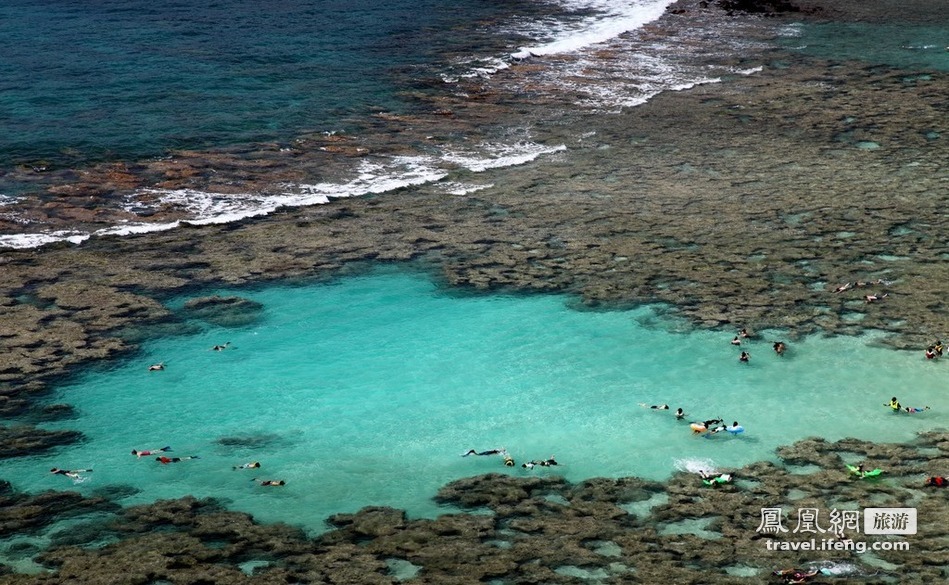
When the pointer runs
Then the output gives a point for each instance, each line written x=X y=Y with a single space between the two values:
x=74 y=473
x=937 y=347
x=914 y=409
x=797 y=576
x=543 y=463
x=166 y=460
x=150 y=451
x=270 y=482
x=156 y=367
x=481 y=453
x=936 y=481
x=843 y=287
x=712 y=422
x=894 y=404
x=221 y=347
x=679 y=414
x=744 y=357
x=931 y=353
x=251 y=465
x=508 y=460
x=743 y=333
x=736 y=341
x=876 y=297
x=779 y=347
x=655 y=406
x=717 y=429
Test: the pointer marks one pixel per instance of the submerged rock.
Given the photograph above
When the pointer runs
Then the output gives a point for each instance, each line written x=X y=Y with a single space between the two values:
x=224 y=311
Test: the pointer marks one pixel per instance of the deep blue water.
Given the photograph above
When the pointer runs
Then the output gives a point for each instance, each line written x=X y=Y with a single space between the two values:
x=81 y=81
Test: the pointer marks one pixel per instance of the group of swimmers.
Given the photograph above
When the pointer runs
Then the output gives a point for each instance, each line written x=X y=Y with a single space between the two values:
x=934 y=351
x=157 y=367
x=509 y=461
x=897 y=407
x=161 y=457
x=779 y=347
x=710 y=426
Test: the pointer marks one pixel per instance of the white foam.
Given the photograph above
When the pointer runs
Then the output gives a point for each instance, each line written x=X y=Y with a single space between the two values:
x=612 y=19
x=371 y=177
x=695 y=465
x=463 y=188
x=35 y=240
x=500 y=155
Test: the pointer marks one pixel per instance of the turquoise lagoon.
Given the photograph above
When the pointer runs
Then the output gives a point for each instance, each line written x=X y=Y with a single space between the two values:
x=366 y=391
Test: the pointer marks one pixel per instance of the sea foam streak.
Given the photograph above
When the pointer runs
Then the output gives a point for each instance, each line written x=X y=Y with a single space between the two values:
x=384 y=174
x=610 y=20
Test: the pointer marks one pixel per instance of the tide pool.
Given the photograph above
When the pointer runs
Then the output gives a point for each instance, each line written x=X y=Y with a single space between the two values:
x=367 y=390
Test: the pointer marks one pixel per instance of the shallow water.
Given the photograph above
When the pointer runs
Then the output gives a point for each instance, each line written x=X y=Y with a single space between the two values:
x=366 y=391
x=896 y=45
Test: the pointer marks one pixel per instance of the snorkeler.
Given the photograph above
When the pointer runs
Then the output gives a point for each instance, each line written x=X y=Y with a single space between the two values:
x=166 y=460
x=270 y=482
x=150 y=451
x=655 y=406
x=796 y=576
x=251 y=465
x=488 y=452
x=221 y=347
x=508 y=460
x=934 y=481
x=543 y=463
x=156 y=367
x=914 y=409
x=73 y=473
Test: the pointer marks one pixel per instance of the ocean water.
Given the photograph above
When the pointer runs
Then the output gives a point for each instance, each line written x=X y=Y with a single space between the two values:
x=912 y=47
x=144 y=81
x=367 y=390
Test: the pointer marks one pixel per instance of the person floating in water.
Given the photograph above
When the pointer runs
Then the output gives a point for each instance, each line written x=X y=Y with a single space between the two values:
x=937 y=347
x=543 y=463
x=150 y=451
x=156 y=367
x=780 y=347
x=679 y=414
x=894 y=404
x=655 y=406
x=482 y=453
x=251 y=465
x=743 y=333
x=936 y=481
x=221 y=347
x=843 y=287
x=508 y=460
x=914 y=409
x=736 y=341
x=166 y=460
x=876 y=297
x=714 y=479
x=712 y=422
x=72 y=473
x=931 y=353
x=744 y=357
x=270 y=482
x=797 y=576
